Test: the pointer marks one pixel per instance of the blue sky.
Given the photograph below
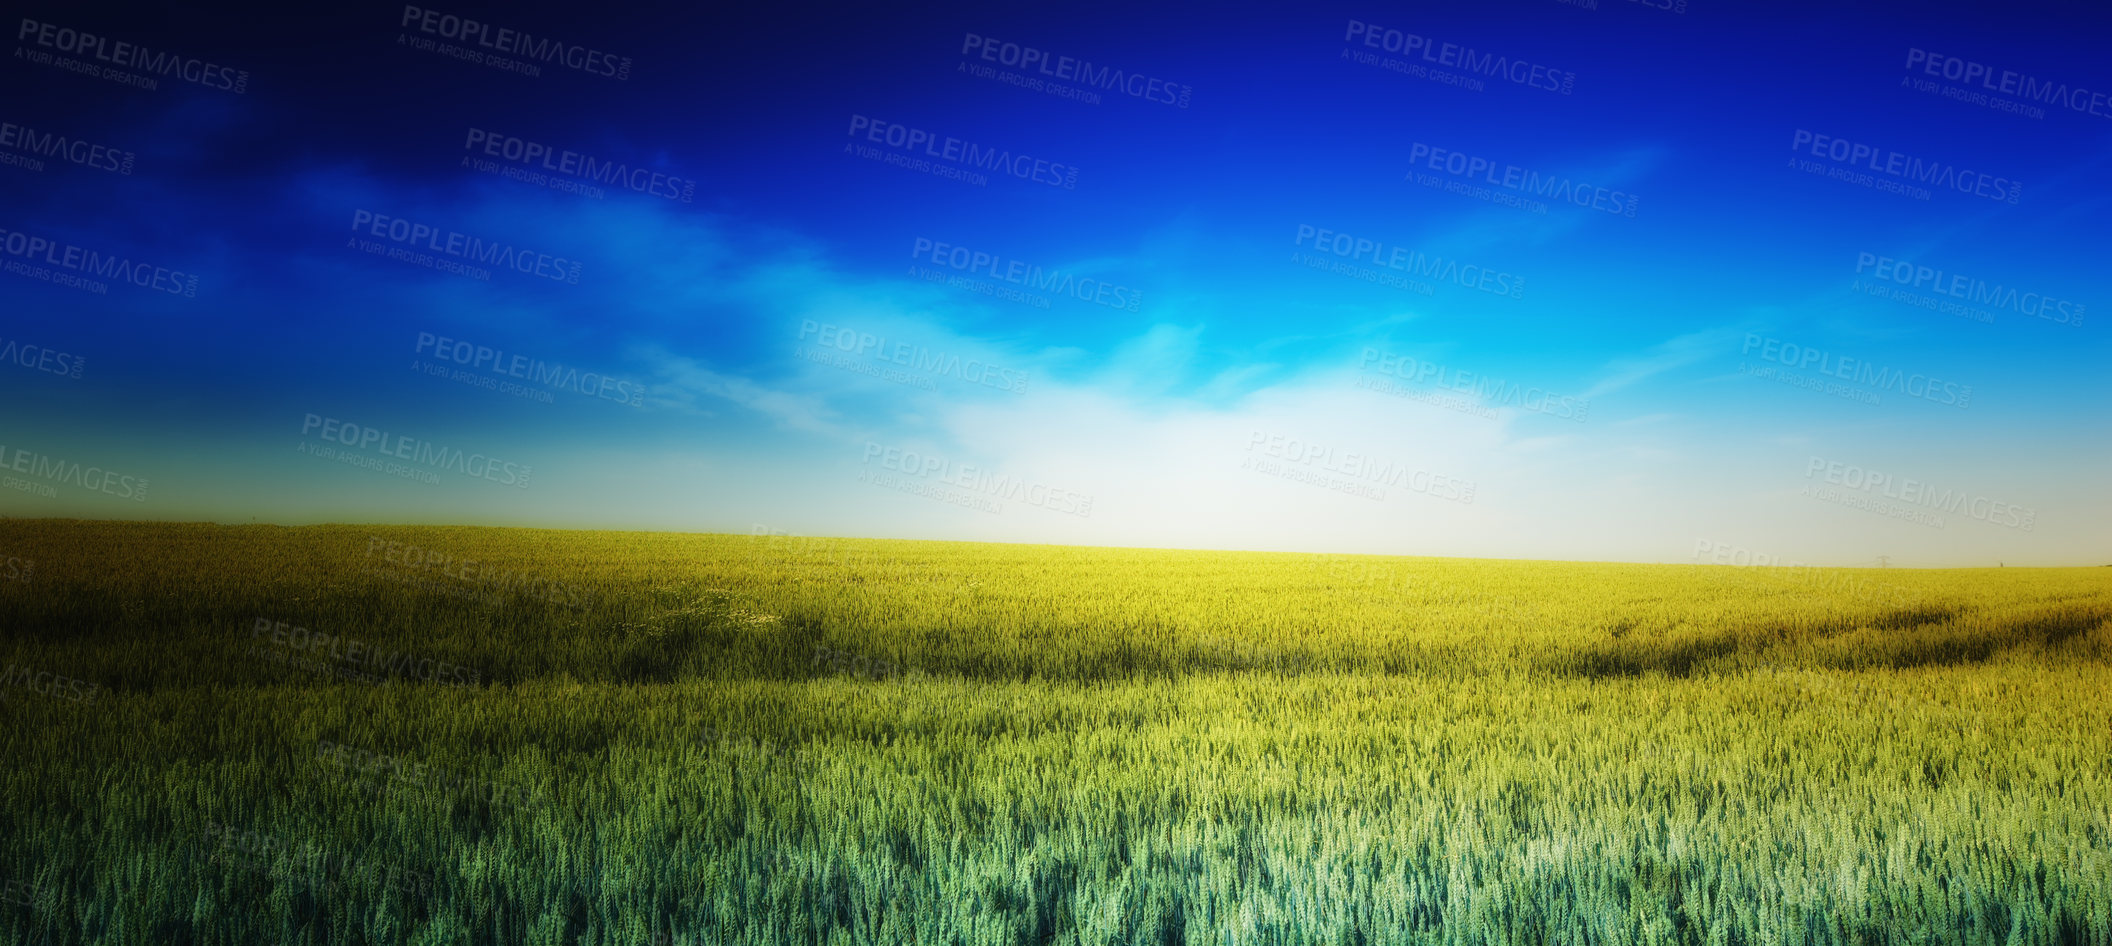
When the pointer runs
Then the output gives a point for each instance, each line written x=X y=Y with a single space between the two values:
x=1306 y=336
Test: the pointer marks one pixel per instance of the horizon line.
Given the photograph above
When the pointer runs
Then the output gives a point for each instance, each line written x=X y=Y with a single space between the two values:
x=254 y=523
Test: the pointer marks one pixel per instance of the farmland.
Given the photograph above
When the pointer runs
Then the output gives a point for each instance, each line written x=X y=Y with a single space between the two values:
x=474 y=735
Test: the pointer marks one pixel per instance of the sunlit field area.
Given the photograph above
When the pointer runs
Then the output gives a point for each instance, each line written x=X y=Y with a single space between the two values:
x=494 y=736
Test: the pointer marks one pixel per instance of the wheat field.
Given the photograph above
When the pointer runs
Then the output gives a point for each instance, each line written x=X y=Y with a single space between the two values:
x=470 y=735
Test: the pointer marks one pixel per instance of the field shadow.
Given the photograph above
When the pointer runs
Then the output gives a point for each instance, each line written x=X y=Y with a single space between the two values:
x=1631 y=656
x=1914 y=636
x=1974 y=639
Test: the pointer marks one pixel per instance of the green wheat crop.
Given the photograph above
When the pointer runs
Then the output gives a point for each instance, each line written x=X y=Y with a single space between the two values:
x=453 y=735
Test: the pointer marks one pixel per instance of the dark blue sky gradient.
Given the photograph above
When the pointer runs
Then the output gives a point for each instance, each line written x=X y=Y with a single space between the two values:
x=1149 y=411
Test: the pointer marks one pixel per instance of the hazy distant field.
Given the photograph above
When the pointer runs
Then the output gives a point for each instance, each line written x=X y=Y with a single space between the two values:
x=425 y=735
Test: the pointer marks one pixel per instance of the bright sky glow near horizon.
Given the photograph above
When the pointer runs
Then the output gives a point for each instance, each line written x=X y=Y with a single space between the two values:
x=1522 y=279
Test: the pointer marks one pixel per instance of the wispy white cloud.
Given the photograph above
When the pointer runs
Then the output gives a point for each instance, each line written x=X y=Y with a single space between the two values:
x=685 y=381
x=1669 y=355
